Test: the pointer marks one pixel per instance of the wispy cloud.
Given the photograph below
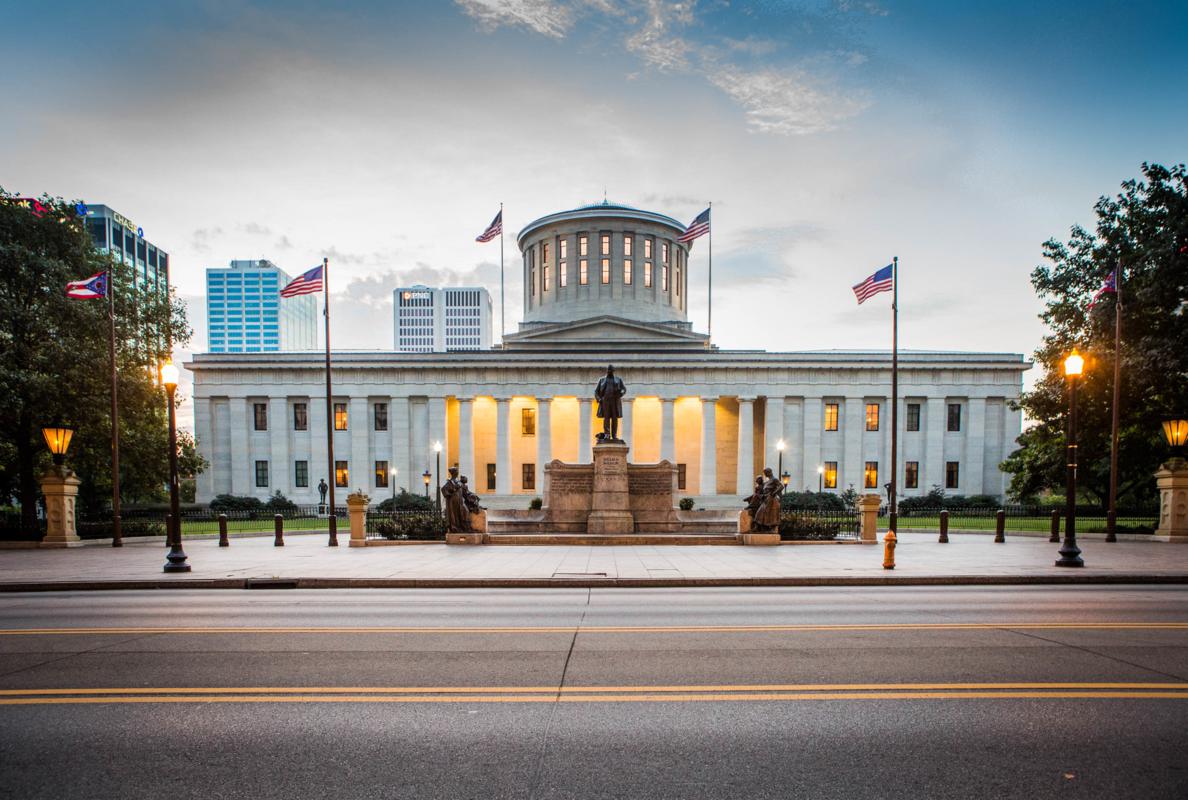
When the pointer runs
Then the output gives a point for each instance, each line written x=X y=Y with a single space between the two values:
x=869 y=6
x=542 y=16
x=656 y=43
x=202 y=238
x=786 y=102
x=254 y=229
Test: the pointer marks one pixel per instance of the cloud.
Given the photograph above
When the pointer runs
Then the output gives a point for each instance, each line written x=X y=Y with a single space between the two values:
x=283 y=243
x=376 y=289
x=202 y=238
x=869 y=6
x=752 y=45
x=655 y=42
x=334 y=254
x=542 y=16
x=254 y=229
x=785 y=102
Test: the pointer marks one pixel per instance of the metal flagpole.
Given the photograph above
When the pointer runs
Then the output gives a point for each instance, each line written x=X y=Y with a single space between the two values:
x=894 y=388
x=117 y=538
x=333 y=521
x=709 y=322
x=502 y=310
x=1112 y=515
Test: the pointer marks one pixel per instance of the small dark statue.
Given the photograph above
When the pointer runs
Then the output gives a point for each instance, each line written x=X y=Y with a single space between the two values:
x=609 y=393
x=322 y=489
x=470 y=498
x=764 y=504
x=452 y=492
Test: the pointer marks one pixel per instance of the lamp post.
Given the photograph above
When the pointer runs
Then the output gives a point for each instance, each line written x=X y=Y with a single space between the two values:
x=1070 y=554
x=784 y=478
x=426 y=476
x=437 y=450
x=1176 y=433
x=176 y=560
x=780 y=445
x=392 y=480
x=57 y=439
x=820 y=478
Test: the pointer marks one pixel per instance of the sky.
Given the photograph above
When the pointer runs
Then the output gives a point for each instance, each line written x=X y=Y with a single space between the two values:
x=830 y=136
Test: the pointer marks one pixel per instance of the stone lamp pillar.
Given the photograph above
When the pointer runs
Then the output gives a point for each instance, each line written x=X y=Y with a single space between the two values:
x=868 y=508
x=1172 y=480
x=60 y=487
x=357 y=504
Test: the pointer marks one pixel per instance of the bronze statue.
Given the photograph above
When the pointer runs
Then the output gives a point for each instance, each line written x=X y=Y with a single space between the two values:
x=457 y=517
x=609 y=393
x=756 y=499
x=470 y=498
x=322 y=488
x=767 y=517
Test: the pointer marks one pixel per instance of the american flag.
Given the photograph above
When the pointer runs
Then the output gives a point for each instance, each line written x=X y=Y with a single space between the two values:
x=1109 y=287
x=309 y=283
x=881 y=281
x=698 y=227
x=88 y=289
x=493 y=230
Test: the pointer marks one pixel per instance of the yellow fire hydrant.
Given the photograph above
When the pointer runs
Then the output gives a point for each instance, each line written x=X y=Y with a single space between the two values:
x=889 y=550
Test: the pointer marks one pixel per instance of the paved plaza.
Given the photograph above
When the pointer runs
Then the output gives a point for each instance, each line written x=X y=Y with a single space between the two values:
x=968 y=558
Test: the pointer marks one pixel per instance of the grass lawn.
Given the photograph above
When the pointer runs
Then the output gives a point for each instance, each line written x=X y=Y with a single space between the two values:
x=1096 y=524
x=192 y=527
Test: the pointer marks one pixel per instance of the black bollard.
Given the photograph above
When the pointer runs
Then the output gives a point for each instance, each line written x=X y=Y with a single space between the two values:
x=279 y=525
x=944 y=528
x=1055 y=535
x=223 y=541
x=1000 y=526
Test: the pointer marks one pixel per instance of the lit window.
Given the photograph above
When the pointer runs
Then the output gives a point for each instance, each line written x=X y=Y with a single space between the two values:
x=872 y=416
x=340 y=416
x=870 y=476
x=648 y=274
x=627 y=240
x=952 y=474
x=528 y=421
x=830 y=474
x=545 y=277
x=341 y=474
x=678 y=281
x=606 y=270
x=583 y=245
x=831 y=416
x=583 y=272
x=564 y=248
x=605 y=244
x=664 y=252
x=381 y=474
x=911 y=475
x=648 y=247
x=627 y=271
x=664 y=278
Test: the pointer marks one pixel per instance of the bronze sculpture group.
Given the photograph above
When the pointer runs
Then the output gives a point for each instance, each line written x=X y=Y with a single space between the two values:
x=460 y=502
x=763 y=505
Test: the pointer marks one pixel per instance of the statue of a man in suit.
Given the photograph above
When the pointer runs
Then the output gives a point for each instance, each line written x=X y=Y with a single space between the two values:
x=609 y=394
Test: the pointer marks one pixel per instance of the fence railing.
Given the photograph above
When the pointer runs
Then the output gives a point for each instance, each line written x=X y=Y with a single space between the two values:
x=816 y=524
x=1090 y=519
x=406 y=525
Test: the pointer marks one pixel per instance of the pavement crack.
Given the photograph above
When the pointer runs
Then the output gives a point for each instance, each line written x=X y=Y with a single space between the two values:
x=1093 y=652
x=74 y=654
x=538 y=768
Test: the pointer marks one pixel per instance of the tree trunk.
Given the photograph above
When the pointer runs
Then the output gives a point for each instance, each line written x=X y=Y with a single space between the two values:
x=26 y=474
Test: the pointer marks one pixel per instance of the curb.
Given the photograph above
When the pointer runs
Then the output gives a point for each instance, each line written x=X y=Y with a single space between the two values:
x=587 y=583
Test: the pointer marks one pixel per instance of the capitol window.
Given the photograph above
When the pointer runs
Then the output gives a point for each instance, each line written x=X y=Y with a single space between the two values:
x=606 y=244
x=648 y=247
x=871 y=475
x=648 y=274
x=872 y=416
x=544 y=287
x=627 y=271
x=340 y=416
x=627 y=240
x=583 y=245
x=583 y=272
x=831 y=416
x=664 y=252
x=830 y=475
x=606 y=270
x=563 y=268
x=664 y=278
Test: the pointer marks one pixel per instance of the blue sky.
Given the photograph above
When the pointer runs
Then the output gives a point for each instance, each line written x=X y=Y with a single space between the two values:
x=829 y=135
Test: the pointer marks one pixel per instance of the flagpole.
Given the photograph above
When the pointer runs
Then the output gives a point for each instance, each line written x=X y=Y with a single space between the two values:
x=1112 y=514
x=894 y=389
x=117 y=537
x=502 y=309
x=333 y=521
x=709 y=321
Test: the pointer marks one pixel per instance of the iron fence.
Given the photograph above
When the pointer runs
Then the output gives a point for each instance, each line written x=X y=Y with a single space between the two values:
x=818 y=524
x=406 y=525
x=12 y=529
x=1090 y=519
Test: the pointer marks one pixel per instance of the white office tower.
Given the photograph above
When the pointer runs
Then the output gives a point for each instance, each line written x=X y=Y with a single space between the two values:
x=430 y=320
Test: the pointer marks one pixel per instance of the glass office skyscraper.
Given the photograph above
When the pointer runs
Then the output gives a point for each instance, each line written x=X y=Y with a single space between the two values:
x=114 y=233
x=246 y=314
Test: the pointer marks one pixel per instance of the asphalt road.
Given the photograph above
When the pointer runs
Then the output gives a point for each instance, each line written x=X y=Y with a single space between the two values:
x=849 y=693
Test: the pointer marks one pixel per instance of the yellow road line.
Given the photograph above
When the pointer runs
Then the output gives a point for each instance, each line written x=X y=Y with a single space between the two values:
x=922 y=626
x=646 y=689
x=605 y=698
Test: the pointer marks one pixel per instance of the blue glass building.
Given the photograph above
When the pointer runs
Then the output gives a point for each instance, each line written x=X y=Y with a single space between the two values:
x=246 y=314
x=114 y=233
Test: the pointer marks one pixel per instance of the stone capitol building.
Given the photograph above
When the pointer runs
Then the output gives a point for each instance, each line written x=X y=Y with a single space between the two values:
x=604 y=284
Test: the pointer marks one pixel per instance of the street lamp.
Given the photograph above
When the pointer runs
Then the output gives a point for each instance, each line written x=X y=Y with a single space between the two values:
x=392 y=480
x=784 y=478
x=426 y=476
x=437 y=449
x=1070 y=554
x=820 y=478
x=780 y=445
x=1176 y=431
x=57 y=438
x=176 y=560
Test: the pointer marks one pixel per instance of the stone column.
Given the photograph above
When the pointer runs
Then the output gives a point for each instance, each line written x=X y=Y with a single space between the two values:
x=585 y=436
x=852 y=427
x=357 y=503
x=708 y=481
x=204 y=434
x=746 y=446
x=625 y=422
x=279 y=469
x=813 y=457
x=319 y=460
x=503 y=464
x=972 y=471
x=439 y=432
x=773 y=433
x=466 y=440
x=667 y=431
x=60 y=487
x=1172 y=480
x=406 y=475
x=242 y=476
x=934 y=444
x=359 y=424
x=544 y=439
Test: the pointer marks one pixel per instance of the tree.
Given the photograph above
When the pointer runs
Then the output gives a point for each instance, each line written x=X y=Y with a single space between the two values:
x=54 y=361
x=1145 y=229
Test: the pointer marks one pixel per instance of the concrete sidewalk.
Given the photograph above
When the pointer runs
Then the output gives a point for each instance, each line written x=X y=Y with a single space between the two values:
x=306 y=562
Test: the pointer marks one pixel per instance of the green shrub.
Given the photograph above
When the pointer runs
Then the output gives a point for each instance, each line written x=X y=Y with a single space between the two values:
x=225 y=503
x=405 y=501
x=536 y=504
x=425 y=526
x=279 y=504
x=805 y=527
x=686 y=504
x=824 y=501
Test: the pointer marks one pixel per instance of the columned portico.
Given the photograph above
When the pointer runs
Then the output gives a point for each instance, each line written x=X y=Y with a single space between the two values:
x=544 y=438
x=503 y=469
x=667 y=431
x=746 y=446
x=466 y=465
x=625 y=427
x=708 y=480
x=585 y=434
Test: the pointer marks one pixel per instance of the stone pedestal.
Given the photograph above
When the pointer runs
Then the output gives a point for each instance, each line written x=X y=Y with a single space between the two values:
x=868 y=508
x=60 y=487
x=744 y=521
x=766 y=538
x=1172 y=480
x=610 y=501
x=476 y=534
x=357 y=503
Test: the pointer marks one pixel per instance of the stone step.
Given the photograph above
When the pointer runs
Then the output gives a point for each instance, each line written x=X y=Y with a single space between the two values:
x=584 y=539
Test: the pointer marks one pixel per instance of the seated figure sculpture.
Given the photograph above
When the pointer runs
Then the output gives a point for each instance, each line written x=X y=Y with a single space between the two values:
x=469 y=498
